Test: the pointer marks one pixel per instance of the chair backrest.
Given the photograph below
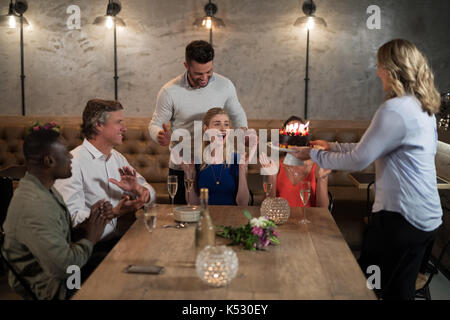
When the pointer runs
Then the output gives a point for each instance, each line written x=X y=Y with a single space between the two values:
x=331 y=199
x=6 y=193
x=438 y=262
x=22 y=281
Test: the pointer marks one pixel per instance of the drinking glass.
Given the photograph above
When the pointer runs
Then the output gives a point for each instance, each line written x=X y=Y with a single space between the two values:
x=305 y=191
x=188 y=183
x=150 y=217
x=172 y=186
x=267 y=185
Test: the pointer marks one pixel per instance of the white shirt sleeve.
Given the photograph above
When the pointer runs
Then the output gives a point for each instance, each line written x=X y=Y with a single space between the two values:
x=72 y=191
x=234 y=109
x=385 y=133
x=163 y=113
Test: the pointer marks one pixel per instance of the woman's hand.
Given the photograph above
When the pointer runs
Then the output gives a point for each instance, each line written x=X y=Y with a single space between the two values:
x=323 y=173
x=320 y=144
x=268 y=166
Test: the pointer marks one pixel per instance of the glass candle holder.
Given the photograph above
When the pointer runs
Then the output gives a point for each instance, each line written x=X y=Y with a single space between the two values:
x=216 y=265
x=276 y=209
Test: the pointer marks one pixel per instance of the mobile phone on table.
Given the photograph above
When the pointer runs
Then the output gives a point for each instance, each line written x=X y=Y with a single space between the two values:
x=144 y=269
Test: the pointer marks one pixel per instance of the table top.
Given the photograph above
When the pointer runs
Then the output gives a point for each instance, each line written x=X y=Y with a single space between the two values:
x=312 y=262
x=362 y=180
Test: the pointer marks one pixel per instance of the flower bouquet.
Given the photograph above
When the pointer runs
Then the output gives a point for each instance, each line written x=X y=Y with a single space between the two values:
x=258 y=233
x=47 y=126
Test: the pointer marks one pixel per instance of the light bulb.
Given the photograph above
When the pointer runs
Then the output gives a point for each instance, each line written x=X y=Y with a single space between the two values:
x=207 y=22
x=310 y=23
x=12 y=22
x=109 y=22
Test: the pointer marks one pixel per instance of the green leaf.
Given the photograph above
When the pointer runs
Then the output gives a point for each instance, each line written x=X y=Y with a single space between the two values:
x=248 y=215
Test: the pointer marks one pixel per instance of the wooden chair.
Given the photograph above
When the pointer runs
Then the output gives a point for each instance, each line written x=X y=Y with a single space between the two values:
x=331 y=199
x=7 y=176
x=23 y=282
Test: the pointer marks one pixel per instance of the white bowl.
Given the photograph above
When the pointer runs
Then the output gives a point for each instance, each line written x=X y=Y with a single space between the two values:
x=187 y=213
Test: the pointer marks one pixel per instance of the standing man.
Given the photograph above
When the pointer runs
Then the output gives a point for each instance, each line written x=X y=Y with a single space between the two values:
x=100 y=172
x=188 y=97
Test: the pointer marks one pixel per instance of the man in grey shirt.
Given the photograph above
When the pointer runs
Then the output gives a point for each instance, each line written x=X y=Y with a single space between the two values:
x=188 y=97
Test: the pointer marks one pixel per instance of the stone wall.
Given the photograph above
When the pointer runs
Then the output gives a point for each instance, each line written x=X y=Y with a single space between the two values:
x=259 y=50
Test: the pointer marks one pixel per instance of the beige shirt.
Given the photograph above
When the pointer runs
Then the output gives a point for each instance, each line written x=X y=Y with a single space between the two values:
x=38 y=240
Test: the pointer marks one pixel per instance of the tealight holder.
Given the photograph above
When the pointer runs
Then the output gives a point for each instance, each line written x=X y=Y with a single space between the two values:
x=276 y=209
x=216 y=265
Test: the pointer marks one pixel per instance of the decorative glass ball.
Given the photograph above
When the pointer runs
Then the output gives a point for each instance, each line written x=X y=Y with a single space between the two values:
x=276 y=209
x=216 y=265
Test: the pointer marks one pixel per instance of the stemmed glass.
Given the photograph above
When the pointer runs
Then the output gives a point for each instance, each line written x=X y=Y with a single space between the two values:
x=267 y=185
x=188 y=183
x=150 y=217
x=172 y=187
x=305 y=191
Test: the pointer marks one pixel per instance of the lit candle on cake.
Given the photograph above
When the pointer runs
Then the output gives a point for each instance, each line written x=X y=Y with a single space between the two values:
x=295 y=134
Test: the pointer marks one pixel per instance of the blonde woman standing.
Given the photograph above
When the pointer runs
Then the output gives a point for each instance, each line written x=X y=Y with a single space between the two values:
x=402 y=140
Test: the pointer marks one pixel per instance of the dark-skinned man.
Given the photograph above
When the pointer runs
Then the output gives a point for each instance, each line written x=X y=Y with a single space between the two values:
x=39 y=241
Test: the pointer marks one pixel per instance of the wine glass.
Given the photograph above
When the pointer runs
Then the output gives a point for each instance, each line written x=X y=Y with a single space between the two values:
x=150 y=217
x=267 y=185
x=188 y=183
x=172 y=187
x=305 y=191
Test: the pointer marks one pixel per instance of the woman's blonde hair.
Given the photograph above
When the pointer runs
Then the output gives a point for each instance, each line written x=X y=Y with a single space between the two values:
x=211 y=113
x=409 y=73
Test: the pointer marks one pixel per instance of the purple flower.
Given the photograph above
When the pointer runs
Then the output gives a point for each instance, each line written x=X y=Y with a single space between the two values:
x=276 y=234
x=36 y=128
x=257 y=231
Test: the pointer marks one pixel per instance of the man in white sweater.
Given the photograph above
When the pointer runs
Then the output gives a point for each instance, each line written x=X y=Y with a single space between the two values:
x=188 y=97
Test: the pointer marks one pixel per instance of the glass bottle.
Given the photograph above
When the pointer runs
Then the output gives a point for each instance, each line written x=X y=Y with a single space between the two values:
x=205 y=233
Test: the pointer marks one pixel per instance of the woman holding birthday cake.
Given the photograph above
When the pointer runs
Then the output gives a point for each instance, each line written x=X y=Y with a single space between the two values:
x=402 y=140
x=291 y=173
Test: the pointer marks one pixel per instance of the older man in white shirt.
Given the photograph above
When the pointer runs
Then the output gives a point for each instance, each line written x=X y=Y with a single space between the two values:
x=100 y=172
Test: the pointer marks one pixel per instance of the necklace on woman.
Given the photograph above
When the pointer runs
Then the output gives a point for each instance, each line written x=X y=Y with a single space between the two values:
x=214 y=174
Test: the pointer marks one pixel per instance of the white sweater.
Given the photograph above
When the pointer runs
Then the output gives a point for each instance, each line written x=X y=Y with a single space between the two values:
x=181 y=104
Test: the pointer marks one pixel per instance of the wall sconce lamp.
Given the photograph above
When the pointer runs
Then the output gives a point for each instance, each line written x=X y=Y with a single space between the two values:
x=111 y=21
x=209 y=21
x=309 y=20
x=12 y=20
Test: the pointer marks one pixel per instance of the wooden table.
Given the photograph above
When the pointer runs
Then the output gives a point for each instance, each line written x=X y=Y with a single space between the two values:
x=312 y=262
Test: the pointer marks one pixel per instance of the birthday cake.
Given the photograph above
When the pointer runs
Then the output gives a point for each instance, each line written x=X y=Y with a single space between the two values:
x=294 y=135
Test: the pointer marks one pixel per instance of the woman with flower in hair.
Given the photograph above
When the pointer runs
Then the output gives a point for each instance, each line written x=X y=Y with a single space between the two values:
x=402 y=140
x=223 y=174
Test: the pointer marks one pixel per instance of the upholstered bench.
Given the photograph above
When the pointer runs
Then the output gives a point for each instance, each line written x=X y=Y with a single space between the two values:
x=151 y=160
